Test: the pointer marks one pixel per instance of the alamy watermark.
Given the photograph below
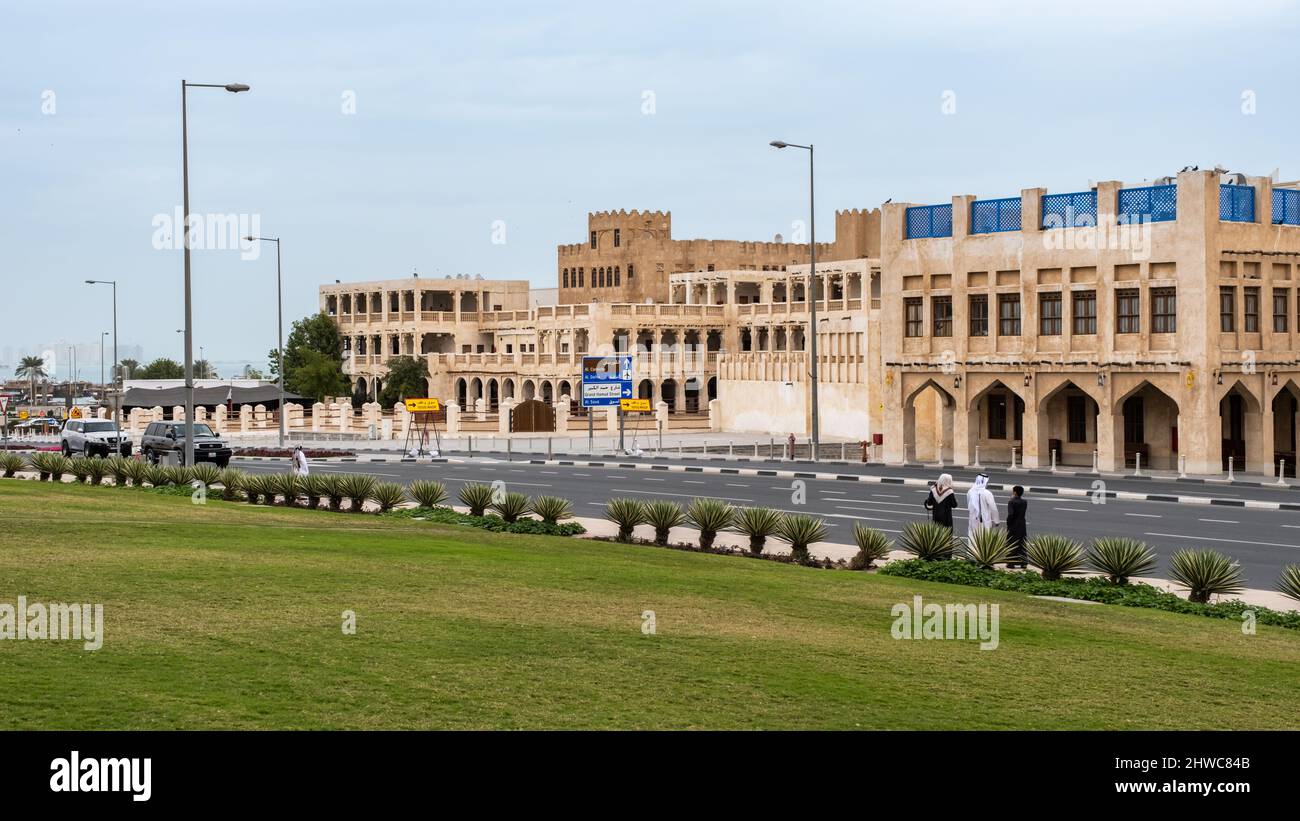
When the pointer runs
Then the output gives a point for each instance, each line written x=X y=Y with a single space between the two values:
x=208 y=232
x=53 y=622
x=963 y=622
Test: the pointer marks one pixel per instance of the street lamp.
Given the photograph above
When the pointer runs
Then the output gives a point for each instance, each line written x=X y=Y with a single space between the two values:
x=812 y=284
x=233 y=88
x=279 y=324
x=102 y=334
x=117 y=392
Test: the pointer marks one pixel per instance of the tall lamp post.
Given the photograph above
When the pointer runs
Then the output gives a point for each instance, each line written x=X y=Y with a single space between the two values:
x=279 y=324
x=233 y=88
x=117 y=389
x=812 y=286
x=102 y=334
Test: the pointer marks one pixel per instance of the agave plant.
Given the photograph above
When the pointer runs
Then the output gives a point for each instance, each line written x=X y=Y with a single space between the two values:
x=928 y=541
x=358 y=487
x=334 y=490
x=1205 y=573
x=79 y=467
x=627 y=514
x=388 y=495
x=476 y=497
x=231 y=482
x=551 y=509
x=205 y=472
x=757 y=523
x=427 y=493
x=158 y=475
x=1289 y=583
x=96 y=470
x=799 y=531
x=59 y=465
x=1119 y=558
x=40 y=462
x=663 y=516
x=986 y=547
x=314 y=486
x=286 y=485
x=137 y=471
x=1054 y=556
x=510 y=506
x=873 y=546
x=253 y=485
x=11 y=463
x=709 y=516
x=119 y=470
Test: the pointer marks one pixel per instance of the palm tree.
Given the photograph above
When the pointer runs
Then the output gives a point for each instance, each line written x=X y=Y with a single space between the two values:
x=128 y=367
x=33 y=368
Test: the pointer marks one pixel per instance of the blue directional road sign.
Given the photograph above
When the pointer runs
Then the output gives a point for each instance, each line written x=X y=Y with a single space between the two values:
x=606 y=380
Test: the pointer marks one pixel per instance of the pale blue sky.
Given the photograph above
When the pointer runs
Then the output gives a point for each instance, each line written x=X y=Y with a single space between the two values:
x=531 y=113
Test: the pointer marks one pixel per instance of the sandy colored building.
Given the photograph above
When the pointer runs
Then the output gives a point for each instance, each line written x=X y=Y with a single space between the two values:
x=630 y=256
x=1156 y=322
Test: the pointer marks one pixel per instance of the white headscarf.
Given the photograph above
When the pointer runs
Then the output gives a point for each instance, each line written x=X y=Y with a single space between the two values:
x=974 y=496
x=942 y=487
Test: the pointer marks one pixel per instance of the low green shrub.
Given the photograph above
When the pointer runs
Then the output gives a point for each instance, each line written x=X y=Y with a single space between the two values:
x=627 y=514
x=445 y=515
x=552 y=509
x=928 y=541
x=709 y=516
x=663 y=515
x=11 y=463
x=428 y=494
x=477 y=497
x=1205 y=573
x=800 y=531
x=1093 y=588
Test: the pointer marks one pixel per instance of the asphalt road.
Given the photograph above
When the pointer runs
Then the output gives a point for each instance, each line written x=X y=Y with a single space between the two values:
x=1263 y=541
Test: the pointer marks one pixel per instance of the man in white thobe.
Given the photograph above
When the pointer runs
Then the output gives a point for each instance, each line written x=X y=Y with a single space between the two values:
x=981 y=507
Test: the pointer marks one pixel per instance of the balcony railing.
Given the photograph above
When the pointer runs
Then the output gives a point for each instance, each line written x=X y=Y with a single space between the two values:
x=1286 y=206
x=992 y=216
x=1075 y=210
x=1237 y=203
x=1154 y=203
x=928 y=221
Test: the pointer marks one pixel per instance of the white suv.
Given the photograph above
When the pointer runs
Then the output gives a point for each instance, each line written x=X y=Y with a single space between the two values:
x=93 y=437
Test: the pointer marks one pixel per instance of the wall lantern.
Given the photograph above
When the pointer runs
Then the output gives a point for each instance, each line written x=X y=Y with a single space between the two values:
x=1101 y=379
x=1028 y=378
x=956 y=383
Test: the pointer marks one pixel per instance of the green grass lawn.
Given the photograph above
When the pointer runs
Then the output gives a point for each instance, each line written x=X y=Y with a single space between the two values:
x=229 y=616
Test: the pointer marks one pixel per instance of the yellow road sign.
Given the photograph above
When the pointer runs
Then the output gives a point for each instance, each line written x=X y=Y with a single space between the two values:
x=76 y=413
x=638 y=405
x=423 y=405
x=23 y=414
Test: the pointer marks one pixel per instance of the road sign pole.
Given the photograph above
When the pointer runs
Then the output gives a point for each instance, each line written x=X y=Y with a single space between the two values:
x=591 y=433
x=620 y=429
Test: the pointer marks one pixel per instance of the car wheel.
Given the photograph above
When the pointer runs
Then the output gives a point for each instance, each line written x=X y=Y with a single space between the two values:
x=150 y=457
x=67 y=451
x=223 y=463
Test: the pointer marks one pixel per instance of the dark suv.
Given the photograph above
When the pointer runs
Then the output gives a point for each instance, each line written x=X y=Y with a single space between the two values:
x=169 y=437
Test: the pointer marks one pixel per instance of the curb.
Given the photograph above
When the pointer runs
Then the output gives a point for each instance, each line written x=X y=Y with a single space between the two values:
x=1069 y=492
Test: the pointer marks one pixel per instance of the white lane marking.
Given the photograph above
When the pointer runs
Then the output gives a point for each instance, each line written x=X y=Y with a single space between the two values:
x=823 y=491
x=473 y=479
x=734 y=485
x=549 y=472
x=1072 y=509
x=683 y=495
x=1293 y=526
x=652 y=479
x=582 y=474
x=1220 y=521
x=1144 y=515
x=1209 y=539
x=878 y=510
x=693 y=482
x=884 y=495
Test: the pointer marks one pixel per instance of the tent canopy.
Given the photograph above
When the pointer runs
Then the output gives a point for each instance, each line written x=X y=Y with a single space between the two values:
x=267 y=395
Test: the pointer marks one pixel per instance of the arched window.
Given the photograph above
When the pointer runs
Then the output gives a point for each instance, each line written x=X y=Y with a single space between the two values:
x=617 y=277
x=566 y=277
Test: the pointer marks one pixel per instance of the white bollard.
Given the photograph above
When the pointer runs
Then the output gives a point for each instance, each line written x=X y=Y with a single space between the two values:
x=1137 y=464
x=679 y=448
x=731 y=449
x=904 y=454
x=1053 y=460
x=1013 y=458
x=1281 y=471
x=844 y=454
x=1231 y=477
x=977 y=464
x=1182 y=466
x=1094 y=461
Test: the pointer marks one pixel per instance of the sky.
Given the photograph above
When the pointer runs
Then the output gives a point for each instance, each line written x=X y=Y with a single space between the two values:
x=386 y=137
